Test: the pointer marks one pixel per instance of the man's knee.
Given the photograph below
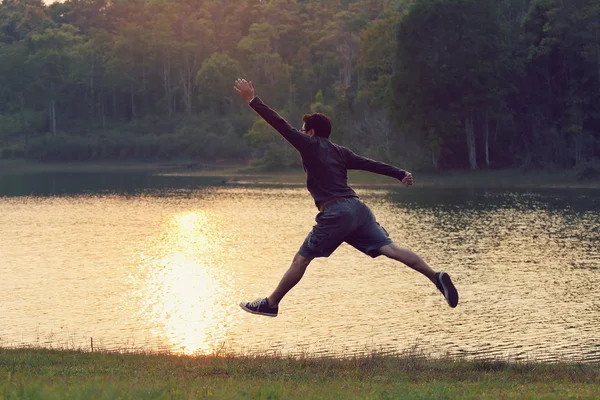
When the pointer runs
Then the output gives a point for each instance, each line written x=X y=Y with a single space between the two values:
x=403 y=255
x=389 y=250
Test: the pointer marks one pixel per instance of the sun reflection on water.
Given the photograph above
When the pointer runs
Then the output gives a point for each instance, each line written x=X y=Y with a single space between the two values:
x=156 y=272
x=185 y=285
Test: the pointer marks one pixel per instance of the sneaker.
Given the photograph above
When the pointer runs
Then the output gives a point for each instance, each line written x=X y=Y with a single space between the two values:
x=445 y=285
x=260 y=307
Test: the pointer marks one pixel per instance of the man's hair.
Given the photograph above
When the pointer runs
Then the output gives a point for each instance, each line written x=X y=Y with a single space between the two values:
x=319 y=122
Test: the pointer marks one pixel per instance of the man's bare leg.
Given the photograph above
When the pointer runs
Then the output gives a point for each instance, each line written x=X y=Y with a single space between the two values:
x=408 y=258
x=441 y=279
x=290 y=279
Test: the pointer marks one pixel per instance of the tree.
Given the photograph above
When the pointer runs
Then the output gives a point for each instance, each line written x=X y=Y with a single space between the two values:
x=194 y=34
x=215 y=78
x=377 y=60
x=267 y=68
x=51 y=55
x=448 y=83
x=128 y=65
x=562 y=79
x=451 y=56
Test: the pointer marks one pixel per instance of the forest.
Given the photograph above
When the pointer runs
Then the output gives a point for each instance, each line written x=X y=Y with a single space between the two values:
x=423 y=84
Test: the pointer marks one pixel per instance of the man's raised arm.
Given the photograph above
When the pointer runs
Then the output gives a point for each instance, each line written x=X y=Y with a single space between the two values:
x=299 y=140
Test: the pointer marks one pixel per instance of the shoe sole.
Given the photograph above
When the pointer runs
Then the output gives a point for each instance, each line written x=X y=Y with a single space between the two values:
x=450 y=292
x=256 y=312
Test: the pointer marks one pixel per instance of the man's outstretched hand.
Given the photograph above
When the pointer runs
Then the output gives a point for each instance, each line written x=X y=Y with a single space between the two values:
x=244 y=89
x=408 y=179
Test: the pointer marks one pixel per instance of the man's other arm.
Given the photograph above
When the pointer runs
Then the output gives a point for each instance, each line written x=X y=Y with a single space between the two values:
x=354 y=161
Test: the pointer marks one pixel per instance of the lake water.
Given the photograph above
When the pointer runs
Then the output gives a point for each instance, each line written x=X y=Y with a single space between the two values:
x=137 y=261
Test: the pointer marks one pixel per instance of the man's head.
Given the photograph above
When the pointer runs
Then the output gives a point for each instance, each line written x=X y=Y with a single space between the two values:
x=317 y=125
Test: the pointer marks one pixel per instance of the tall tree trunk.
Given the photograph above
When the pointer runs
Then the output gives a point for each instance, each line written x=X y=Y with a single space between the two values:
x=186 y=84
x=187 y=76
x=52 y=111
x=346 y=51
x=487 y=140
x=92 y=89
x=579 y=148
x=291 y=92
x=132 y=102
x=53 y=116
x=579 y=143
x=167 y=82
x=114 y=102
x=22 y=110
x=104 y=115
x=598 y=45
x=469 y=130
x=144 y=97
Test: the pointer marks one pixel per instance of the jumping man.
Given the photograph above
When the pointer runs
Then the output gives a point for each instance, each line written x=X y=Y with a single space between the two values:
x=342 y=216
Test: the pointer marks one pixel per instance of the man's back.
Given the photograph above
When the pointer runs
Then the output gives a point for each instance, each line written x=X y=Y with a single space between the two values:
x=326 y=170
x=326 y=164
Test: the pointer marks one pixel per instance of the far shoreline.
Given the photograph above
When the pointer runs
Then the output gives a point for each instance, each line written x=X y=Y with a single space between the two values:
x=237 y=173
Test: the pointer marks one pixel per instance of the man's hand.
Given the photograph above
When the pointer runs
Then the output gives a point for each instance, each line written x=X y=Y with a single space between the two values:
x=408 y=179
x=244 y=89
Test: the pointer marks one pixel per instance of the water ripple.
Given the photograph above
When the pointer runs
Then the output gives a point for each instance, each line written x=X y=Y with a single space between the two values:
x=165 y=270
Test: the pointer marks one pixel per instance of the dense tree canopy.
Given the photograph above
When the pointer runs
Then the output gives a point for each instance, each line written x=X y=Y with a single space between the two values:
x=422 y=83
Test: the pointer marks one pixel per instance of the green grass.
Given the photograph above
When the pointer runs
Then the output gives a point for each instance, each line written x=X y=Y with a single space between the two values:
x=51 y=374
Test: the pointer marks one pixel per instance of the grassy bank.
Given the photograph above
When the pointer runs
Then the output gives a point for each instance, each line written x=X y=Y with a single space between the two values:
x=47 y=374
x=241 y=174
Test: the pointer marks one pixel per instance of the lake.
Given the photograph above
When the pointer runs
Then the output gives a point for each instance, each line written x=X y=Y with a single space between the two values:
x=138 y=261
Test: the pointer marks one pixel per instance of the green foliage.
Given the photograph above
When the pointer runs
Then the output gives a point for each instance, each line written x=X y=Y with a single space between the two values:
x=209 y=138
x=511 y=81
x=319 y=105
x=215 y=79
x=429 y=83
x=563 y=79
x=272 y=151
x=259 y=39
x=378 y=43
x=13 y=151
x=10 y=125
x=451 y=70
x=260 y=135
x=126 y=145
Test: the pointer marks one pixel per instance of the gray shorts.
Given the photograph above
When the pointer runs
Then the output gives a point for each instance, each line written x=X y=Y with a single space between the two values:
x=345 y=220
